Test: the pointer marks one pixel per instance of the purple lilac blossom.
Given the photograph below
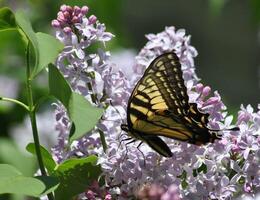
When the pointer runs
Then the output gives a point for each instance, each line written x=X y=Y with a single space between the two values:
x=223 y=170
x=156 y=192
x=80 y=69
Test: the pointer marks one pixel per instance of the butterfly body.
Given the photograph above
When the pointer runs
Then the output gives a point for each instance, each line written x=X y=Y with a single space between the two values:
x=159 y=106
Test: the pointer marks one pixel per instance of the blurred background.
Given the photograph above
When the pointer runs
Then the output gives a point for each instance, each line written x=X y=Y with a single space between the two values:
x=226 y=34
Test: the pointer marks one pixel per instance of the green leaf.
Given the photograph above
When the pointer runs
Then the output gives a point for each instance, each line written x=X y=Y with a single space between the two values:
x=10 y=154
x=75 y=176
x=49 y=49
x=28 y=34
x=84 y=115
x=203 y=168
x=48 y=161
x=51 y=183
x=7 y=19
x=58 y=86
x=45 y=48
x=12 y=181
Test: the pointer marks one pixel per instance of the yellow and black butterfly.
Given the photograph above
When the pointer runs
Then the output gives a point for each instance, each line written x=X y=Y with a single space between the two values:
x=159 y=106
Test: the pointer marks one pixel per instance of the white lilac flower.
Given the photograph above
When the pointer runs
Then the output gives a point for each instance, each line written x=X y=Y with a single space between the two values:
x=222 y=170
x=248 y=197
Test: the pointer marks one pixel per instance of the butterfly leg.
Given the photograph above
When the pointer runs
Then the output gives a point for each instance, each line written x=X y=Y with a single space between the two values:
x=126 y=139
x=141 y=151
x=121 y=135
x=132 y=141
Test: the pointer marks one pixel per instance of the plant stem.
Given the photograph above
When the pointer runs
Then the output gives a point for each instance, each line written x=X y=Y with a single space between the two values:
x=103 y=140
x=33 y=117
x=16 y=102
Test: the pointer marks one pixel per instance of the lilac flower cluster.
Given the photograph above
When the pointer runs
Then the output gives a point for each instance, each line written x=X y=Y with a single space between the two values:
x=81 y=68
x=223 y=170
x=167 y=41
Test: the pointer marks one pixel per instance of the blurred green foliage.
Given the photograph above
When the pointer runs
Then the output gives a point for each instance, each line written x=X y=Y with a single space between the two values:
x=255 y=6
x=11 y=154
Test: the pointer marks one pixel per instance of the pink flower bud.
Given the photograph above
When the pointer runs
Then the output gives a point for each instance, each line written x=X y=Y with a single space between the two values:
x=211 y=101
x=63 y=8
x=77 y=10
x=92 y=19
x=84 y=10
x=80 y=16
x=55 y=23
x=66 y=15
x=61 y=17
x=75 y=20
x=206 y=90
x=69 y=9
x=199 y=87
x=67 y=30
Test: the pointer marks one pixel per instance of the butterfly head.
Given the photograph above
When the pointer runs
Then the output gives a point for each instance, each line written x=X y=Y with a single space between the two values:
x=124 y=127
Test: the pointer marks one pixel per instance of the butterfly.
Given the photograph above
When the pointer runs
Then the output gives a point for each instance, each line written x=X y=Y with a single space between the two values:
x=159 y=106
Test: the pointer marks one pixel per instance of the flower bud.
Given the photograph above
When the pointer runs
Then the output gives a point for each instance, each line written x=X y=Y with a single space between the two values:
x=206 y=90
x=55 y=23
x=67 y=30
x=92 y=19
x=84 y=10
x=199 y=87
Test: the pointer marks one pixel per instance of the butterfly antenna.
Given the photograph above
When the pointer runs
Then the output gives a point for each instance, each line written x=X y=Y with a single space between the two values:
x=217 y=133
x=117 y=111
x=226 y=129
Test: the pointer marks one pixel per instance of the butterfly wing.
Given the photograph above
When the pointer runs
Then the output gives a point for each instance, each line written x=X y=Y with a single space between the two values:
x=159 y=104
x=155 y=142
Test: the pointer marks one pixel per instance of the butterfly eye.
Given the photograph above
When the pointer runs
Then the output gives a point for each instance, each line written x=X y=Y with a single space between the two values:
x=124 y=127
